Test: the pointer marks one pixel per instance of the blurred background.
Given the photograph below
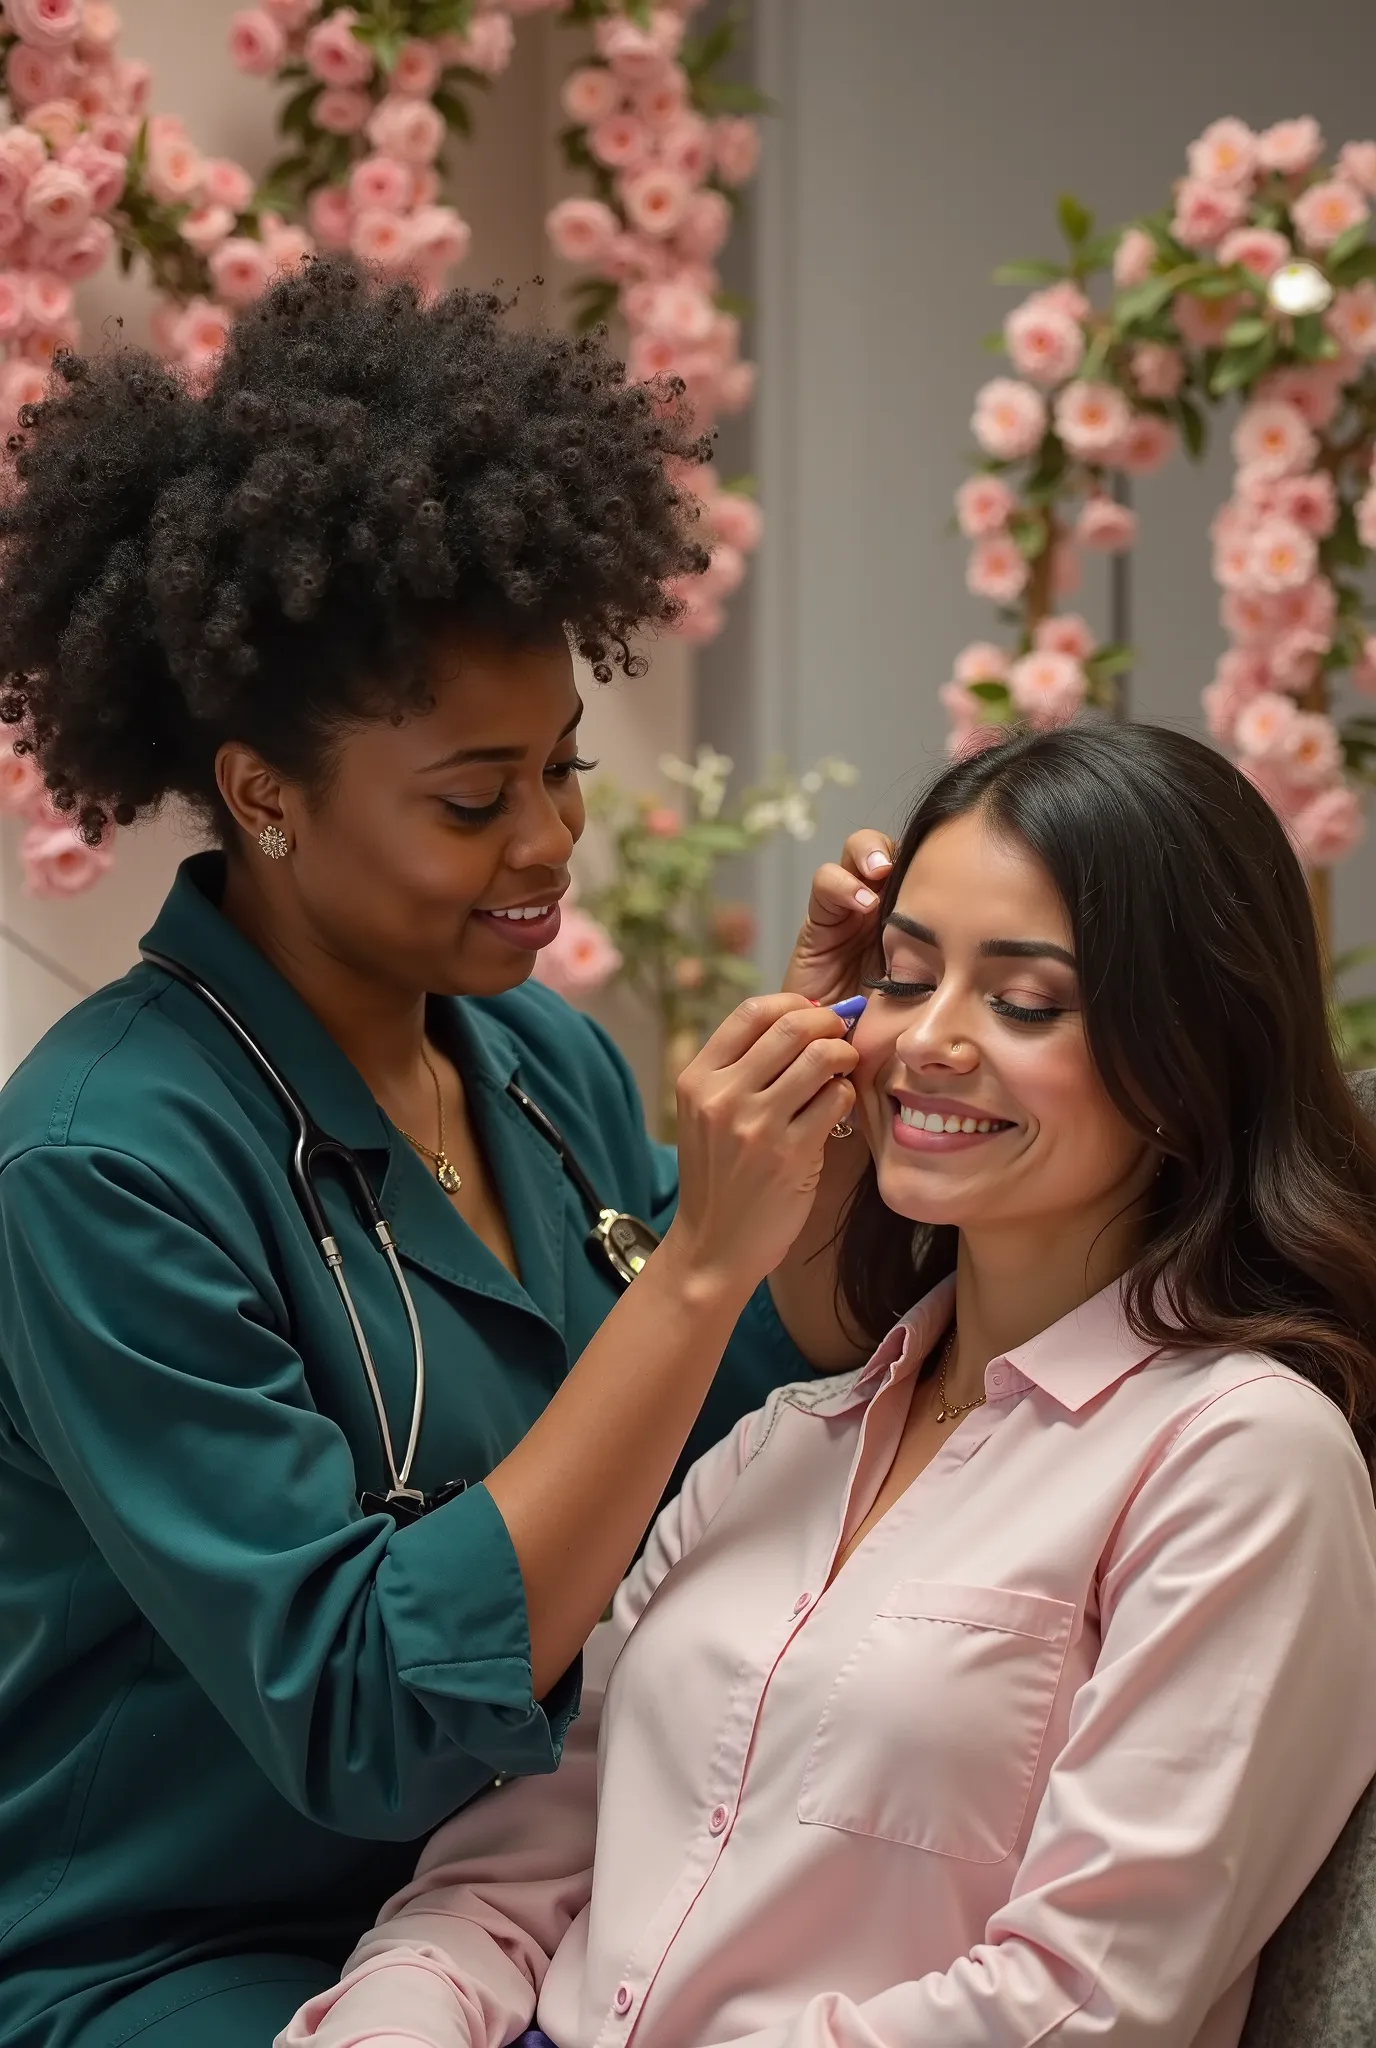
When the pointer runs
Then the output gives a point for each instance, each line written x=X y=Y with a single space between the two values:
x=913 y=147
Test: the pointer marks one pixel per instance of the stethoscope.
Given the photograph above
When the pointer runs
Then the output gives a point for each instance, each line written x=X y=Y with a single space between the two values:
x=621 y=1242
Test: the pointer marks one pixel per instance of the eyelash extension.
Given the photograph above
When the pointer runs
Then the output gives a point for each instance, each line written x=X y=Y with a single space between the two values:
x=565 y=769
x=484 y=814
x=908 y=991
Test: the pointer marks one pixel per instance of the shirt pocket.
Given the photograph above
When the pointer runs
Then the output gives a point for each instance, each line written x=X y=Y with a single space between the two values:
x=933 y=1730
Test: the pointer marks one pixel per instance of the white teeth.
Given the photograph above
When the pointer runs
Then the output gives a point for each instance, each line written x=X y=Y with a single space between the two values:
x=952 y=1124
x=984 y=1124
x=922 y=1120
x=968 y=1124
x=536 y=910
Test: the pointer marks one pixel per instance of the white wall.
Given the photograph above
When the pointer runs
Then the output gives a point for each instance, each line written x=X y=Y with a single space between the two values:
x=921 y=144
x=504 y=182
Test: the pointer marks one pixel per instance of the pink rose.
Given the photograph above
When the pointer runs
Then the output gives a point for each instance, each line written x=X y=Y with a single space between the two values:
x=34 y=76
x=1290 y=146
x=49 y=300
x=1043 y=342
x=686 y=146
x=1204 y=322
x=100 y=26
x=655 y=199
x=1271 y=439
x=381 y=237
x=1009 y=419
x=58 y=862
x=1158 y=370
x=58 y=202
x=1249 y=618
x=1311 y=388
x=416 y=70
x=411 y=130
x=1133 y=258
x=701 y=621
x=80 y=256
x=14 y=304
x=1264 y=725
x=175 y=169
x=1091 y=418
x=287 y=246
x=580 y=959
x=227 y=184
x=330 y=215
x=1047 y=688
x=257 y=43
x=1352 y=318
x=486 y=48
x=135 y=85
x=984 y=504
x=1282 y=556
x=1294 y=659
x=293 y=14
x=1105 y=525
x=21 y=384
x=334 y=53
x=1225 y=154
x=725 y=572
x=636 y=54
x=21 y=779
x=1357 y=164
x=581 y=230
x=662 y=823
x=440 y=238
x=381 y=181
x=1147 y=446
x=736 y=146
x=206 y=227
x=1328 y=827
x=201 y=333
x=1366 y=518
x=1260 y=250
x=240 y=270
x=589 y=95
x=1240 y=676
x=661 y=100
x=1363 y=676
x=705 y=226
x=21 y=156
x=1064 y=633
x=104 y=171
x=57 y=121
x=341 y=110
x=1311 y=501
x=981 y=662
x=651 y=356
x=1205 y=213
x=1328 y=210
x=737 y=520
x=621 y=142
x=681 y=311
x=1312 y=752
x=46 y=24
x=110 y=131
x=997 y=569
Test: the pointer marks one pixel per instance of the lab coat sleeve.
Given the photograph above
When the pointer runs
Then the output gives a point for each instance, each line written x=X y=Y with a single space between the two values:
x=458 y=1958
x=378 y=1676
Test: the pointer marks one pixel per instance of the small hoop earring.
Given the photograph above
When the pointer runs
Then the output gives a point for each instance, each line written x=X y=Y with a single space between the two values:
x=843 y=1130
x=273 y=840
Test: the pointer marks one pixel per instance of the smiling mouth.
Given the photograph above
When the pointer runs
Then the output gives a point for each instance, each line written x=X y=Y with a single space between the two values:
x=527 y=926
x=951 y=1126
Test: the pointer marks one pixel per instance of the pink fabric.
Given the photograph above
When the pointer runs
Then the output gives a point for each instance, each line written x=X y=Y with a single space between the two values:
x=1048 y=1761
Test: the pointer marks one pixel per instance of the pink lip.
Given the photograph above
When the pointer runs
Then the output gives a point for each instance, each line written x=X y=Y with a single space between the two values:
x=911 y=1139
x=526 y=934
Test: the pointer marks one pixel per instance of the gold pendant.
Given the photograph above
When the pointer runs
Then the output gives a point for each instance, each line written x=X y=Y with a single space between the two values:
x=448 y=1176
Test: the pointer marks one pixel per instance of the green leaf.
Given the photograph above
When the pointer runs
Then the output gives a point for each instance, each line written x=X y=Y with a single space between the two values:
x=295 y=117
x=1347 y=245
x=989 y=692
x=1357 y=956
x=455 y=112
x=1111 y=660
x=1237 y=368
x=1360 y=265
x=1029 y=531
x=639 y=11
x=1032 y=272
x=745 y=486
x=599 y=298
x=1310 y=335
x=1076 y=221
x=1221 y=284
x=1251 y=327
x=1097 y=253
x=993 y=342
x=735 y=303
x=1140 y=301
x=731 y=96
x=1193 y=430
x=701 y=54
x=1096 y=355
x=1342 y=549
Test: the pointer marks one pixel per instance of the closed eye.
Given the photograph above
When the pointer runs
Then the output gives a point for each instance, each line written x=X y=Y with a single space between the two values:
x=564 y=771
x=912 y=991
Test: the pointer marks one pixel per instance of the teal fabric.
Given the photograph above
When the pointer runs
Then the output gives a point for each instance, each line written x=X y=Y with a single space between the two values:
x=231 y=1704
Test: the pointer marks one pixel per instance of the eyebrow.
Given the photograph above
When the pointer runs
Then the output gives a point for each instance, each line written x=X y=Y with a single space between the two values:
x=463 y=755
x=989 y=949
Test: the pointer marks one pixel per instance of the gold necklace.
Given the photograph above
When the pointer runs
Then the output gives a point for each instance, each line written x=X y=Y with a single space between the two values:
x=945 y=1413
x=446 y=1173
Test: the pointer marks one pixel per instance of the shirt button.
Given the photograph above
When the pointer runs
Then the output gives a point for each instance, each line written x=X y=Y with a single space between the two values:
x=624 y=1998
x=717 y=1819
x=800 y=1605
x=997 y=1382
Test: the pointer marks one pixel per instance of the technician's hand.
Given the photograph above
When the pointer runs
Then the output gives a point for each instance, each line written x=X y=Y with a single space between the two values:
x=839 y=939
x=754 y=1111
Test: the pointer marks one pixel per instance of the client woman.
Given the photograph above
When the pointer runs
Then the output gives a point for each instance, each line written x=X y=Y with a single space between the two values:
x=1011 y=1689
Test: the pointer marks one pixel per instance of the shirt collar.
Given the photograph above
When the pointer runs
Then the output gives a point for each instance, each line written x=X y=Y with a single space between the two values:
x=192 y=930
x=1074 y=1361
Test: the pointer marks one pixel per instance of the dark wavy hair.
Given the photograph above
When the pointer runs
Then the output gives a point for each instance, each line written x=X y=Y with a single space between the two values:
x=1203 y=1000
x=267 y=561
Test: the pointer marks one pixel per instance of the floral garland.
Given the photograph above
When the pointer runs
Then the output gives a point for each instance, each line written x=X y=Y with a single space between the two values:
x=1260 y=280
x=667 y=145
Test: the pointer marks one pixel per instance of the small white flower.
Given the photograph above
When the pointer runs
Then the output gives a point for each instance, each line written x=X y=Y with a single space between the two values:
x=763 y=817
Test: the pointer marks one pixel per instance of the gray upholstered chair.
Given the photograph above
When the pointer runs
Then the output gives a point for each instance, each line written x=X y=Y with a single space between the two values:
x=1316 y=1986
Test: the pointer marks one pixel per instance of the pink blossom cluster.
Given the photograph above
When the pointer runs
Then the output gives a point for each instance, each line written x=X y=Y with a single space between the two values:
x=1044 y=687
x=55 y=858
x=670 y=169
x=76 y=108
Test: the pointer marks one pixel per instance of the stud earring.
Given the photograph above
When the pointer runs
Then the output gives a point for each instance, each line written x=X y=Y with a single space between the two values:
x=843 y=1130
x=273 y=841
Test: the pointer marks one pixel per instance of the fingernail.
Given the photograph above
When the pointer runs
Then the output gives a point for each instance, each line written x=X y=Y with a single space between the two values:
x=866 y=898
x=814 y=1002
x=877 y=862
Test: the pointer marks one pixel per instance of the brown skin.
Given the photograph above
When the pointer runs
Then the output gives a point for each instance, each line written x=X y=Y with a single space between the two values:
x=380 y=903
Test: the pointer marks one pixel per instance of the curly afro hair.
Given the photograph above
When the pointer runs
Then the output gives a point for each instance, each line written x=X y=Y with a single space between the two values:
x=269 y=560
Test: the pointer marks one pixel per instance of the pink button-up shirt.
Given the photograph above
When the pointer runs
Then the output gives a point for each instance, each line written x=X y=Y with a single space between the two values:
x=1048 y=1760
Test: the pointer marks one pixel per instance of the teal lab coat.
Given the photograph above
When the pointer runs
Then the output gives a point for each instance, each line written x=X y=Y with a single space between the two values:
x=231 y=1704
